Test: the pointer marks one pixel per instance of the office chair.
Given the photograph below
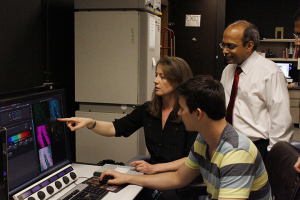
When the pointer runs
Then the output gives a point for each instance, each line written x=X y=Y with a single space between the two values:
x=296 y=144
x=284 y=180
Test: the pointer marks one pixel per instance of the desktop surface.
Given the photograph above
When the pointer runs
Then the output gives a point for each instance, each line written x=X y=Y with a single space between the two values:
x=85 y=171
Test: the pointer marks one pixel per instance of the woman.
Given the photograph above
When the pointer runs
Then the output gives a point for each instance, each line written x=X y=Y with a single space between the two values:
x=167 y=140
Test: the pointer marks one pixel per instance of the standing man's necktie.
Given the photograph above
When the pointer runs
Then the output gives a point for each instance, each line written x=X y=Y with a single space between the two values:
x=234 y=88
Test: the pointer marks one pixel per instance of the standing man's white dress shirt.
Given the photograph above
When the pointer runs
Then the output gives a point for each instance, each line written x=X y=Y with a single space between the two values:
x=262 y=105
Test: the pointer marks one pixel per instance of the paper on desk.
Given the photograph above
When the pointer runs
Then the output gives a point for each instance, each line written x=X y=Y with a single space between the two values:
x=123 y=169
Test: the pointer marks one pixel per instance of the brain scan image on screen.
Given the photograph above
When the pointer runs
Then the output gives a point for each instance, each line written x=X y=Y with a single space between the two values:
x=54 y=109
x=45 y=155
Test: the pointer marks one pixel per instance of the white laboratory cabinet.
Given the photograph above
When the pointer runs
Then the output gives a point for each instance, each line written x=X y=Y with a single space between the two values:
x=115 y=53
x=115 y=57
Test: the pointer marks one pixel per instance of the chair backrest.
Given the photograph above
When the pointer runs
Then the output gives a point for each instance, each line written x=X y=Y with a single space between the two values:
x=284 y=180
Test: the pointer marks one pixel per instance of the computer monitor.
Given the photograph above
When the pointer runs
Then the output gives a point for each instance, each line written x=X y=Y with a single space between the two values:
x=37 y=143
x=3 y=165
x=285 y=68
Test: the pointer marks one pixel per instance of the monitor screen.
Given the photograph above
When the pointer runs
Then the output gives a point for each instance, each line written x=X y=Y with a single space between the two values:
x=37 y=143
x=3 y=164
x=285 y=68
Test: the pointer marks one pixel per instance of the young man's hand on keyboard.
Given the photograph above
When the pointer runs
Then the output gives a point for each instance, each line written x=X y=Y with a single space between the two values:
x=118 y=178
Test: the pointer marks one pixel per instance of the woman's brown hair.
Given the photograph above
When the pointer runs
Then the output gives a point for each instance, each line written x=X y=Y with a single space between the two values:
x=176 y=70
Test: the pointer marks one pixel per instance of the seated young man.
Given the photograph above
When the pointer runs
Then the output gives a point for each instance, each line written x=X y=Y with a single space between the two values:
x=229 y=162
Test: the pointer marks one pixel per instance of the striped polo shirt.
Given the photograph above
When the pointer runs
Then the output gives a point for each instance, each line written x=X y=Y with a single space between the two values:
x=236 y=169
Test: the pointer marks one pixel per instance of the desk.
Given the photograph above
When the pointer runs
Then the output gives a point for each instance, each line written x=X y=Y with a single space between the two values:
x=85 y=171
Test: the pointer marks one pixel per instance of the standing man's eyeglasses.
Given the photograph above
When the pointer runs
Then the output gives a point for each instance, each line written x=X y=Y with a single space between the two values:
x=229 y=47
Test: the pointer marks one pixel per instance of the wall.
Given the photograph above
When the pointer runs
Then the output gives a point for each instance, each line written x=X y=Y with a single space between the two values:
x=37 y=44
x=37 y=47
x=265 y=14
x=199 y=45
x=22 y=44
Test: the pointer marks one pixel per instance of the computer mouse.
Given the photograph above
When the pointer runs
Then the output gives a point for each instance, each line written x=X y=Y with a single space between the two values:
x=105 y=179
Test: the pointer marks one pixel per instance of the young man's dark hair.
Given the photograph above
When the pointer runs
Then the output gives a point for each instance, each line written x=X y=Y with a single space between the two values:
x=205 y=93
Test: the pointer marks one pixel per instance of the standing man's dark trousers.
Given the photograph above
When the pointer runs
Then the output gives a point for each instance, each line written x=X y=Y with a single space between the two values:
x=262 y=146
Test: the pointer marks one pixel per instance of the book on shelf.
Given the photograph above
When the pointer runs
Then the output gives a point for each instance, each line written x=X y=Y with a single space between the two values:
x=296 y=52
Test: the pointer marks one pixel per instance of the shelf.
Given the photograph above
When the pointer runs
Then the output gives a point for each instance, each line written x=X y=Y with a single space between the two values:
x=277 y=46
x=284 y=59
x=287 y=60
x=277 y=40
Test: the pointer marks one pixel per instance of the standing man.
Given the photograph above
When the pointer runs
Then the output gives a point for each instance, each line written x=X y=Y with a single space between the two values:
x=230 y=164
x=261 y=107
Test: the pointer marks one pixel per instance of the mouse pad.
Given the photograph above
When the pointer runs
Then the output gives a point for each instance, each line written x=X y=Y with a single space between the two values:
x=113 y=188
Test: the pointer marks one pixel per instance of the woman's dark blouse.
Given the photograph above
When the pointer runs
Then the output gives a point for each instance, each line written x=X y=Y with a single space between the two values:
x=169 y=144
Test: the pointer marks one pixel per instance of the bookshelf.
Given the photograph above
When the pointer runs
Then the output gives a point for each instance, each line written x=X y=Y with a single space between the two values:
x=276 y=47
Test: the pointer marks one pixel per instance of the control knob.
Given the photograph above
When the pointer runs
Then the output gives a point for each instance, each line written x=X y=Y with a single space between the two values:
x=66 y=180
x=58 y=184
x=73 y=175
x=50 y=189
x=41 y=195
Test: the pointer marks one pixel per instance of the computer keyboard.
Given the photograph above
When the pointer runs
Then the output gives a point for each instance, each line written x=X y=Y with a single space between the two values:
x=85 y=192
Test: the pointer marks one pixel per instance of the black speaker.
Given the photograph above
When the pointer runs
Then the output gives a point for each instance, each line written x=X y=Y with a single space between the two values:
x=3 y=165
